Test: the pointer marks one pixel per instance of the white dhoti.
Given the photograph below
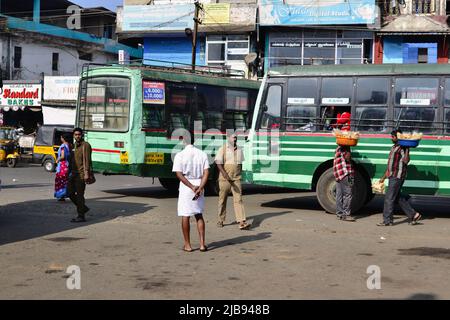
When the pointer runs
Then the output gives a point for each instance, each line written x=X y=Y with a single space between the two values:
x=186 y=206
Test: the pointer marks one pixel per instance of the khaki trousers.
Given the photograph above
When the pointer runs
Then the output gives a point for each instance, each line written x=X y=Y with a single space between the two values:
x=236 y=188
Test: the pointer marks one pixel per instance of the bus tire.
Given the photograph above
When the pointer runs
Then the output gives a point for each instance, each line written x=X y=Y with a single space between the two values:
x=169 y=184
x=49 y=165
x=326 y=192
x=212 y=188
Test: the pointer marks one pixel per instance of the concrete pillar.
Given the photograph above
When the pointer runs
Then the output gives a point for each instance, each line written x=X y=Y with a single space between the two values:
x=37 y=11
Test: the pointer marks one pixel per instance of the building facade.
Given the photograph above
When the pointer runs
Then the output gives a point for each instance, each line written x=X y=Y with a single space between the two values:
x=412 y=31
x=226 y=31
x=40 y=38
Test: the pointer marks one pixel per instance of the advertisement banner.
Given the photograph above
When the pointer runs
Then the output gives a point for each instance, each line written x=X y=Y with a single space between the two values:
x=154 y=92
x=316 y=12
x=21 y=94
x=168 y=17
x=216 y=13
x=61 y=88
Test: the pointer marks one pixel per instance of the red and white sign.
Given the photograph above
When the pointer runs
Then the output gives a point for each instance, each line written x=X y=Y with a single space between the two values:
x=23 y=94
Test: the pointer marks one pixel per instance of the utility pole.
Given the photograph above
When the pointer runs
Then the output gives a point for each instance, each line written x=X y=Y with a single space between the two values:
x=197 y=21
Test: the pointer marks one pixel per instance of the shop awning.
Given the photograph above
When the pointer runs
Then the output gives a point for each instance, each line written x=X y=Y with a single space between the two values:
x=414 y=24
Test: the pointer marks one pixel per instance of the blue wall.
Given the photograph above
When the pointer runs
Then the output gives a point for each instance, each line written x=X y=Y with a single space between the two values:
x=392 y=50
x=177 y=49
x=397 y=50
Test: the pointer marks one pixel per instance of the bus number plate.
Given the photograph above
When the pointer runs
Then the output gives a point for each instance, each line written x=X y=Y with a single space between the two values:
x=124 y=157
x=154 y=158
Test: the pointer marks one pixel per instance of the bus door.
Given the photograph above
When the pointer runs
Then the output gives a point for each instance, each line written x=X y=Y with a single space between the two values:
x=265 y=145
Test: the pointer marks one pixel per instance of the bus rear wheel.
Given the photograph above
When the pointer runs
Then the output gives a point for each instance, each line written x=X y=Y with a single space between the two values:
x=169 y=184
x=326 y=192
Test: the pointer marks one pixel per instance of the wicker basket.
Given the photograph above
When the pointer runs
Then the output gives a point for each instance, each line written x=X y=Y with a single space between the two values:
x=346 y=142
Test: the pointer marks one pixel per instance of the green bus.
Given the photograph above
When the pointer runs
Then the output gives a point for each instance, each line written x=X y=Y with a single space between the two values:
x=290 y=143
x=130 y=114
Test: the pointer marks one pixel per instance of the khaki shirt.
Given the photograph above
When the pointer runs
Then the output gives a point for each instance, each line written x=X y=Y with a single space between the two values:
x=78 y=161
x=231 y=159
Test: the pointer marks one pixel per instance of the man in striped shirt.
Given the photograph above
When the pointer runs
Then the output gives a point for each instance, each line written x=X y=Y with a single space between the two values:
x=396 y=173
x=344 y=175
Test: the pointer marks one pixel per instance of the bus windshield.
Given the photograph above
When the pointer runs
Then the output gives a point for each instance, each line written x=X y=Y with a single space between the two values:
x=104 y=104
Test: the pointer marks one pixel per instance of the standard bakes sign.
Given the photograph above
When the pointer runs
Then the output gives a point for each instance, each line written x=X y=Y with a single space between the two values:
x=23 y=94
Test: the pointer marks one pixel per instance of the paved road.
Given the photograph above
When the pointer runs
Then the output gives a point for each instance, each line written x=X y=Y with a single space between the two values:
x=131 y=246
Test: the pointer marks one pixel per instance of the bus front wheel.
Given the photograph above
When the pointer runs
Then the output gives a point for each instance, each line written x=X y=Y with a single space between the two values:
x=326 y=192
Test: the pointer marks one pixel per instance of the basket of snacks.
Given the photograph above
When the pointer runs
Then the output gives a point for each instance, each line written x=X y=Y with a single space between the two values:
x=409 y=140
x=378 y=187
x=346 y=138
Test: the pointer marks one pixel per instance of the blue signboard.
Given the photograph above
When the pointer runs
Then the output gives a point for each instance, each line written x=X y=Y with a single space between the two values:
x=316 y=12
x=168 y=17
x=154 y=92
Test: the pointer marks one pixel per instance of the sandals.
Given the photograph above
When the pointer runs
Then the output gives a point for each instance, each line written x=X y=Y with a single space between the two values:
x=204 y=249
x=244 y=226
x=416 y=220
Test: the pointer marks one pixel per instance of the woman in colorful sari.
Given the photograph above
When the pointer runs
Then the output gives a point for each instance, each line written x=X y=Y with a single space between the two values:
x=63 y=168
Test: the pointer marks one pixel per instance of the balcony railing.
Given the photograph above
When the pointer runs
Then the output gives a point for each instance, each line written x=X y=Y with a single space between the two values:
x=423 y=6
x=397 y=7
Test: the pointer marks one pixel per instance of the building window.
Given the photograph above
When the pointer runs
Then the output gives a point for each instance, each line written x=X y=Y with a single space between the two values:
x=55 y=61
x=84 y=56
x=17 y=57
x=423 y=55
x=320 y=47
x=222 y=49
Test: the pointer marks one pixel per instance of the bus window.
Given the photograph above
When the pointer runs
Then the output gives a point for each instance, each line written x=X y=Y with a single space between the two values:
x=447 y=106
x=210 y=102
x=300 y=118
x=416 y=104
x=336 y=99
x=372 y=119
x=271 y=109
x=178 y=106
x=371 y=104
x=301 y=111
x=105 y=104
x=238 y=106
x=337 y=91
x=152 y=116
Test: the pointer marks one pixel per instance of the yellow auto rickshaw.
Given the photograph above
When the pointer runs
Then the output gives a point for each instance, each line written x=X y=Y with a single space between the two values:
x=9 y=148
x=47 y=143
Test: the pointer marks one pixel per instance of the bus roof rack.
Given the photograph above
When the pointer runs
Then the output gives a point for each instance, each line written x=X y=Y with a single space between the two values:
x=161 y=65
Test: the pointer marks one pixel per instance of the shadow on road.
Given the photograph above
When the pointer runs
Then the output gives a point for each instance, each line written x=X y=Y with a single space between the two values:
x=31 y=219
x=239 y=240
x=258 y=219
x=429 y=207
x=27 y=185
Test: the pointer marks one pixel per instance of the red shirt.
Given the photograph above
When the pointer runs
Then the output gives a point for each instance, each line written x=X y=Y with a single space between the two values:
x=342 y=167
x=396 y=165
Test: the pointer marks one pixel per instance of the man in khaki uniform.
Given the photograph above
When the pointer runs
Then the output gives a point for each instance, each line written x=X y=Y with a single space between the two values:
x=229 y=162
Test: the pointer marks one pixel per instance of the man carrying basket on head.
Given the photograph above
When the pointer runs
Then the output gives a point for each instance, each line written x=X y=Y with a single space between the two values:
x=396 y=173
x=344 y=175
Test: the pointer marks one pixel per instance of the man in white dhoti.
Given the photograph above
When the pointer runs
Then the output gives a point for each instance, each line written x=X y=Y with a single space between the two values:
x=192 y=168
